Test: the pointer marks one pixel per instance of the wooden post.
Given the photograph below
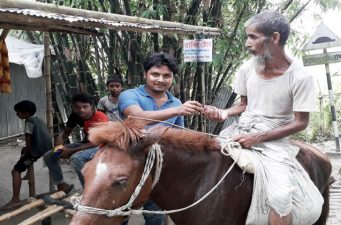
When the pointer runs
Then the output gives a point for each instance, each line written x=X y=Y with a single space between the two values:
x=48 y=87
x=202 y=87
x=31 y=181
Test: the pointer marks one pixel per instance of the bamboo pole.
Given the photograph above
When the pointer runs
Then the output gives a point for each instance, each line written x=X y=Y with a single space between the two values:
x=49 y=211
x=69 y=212
x=27 y=207
x=53 y=8
x=48 y=87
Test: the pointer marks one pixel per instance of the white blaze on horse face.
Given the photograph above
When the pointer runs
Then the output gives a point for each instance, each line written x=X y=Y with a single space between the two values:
x=101 y=170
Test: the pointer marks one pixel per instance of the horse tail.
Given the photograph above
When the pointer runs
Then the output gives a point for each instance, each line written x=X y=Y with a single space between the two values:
x=325 y=208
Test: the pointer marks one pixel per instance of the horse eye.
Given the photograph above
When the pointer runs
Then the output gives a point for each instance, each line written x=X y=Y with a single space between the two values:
x=120 y=181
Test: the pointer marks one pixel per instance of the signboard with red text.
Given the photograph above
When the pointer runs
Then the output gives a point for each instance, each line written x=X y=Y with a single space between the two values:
x=199 y=50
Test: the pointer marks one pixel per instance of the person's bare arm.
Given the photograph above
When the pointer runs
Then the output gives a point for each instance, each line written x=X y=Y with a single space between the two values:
x=215 y=114
x=300 y=123
x=188 y=108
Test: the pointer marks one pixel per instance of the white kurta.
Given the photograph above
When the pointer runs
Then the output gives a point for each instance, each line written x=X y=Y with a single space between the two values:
x=280 y=182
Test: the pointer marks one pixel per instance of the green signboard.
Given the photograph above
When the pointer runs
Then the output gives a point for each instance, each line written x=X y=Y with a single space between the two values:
x=330 y=57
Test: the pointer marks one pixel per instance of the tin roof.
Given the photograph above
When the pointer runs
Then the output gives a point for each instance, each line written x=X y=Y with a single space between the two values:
x=54 y=18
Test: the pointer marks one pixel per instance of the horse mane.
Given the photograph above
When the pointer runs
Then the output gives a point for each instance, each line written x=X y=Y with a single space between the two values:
x=131 y=131
x=120 y=134
x=189 y=140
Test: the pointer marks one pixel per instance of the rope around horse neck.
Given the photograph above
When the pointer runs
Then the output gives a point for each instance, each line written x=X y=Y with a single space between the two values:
x=126 y=209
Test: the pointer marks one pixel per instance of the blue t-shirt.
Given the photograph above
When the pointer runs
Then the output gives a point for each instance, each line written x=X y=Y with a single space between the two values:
x=139 y=96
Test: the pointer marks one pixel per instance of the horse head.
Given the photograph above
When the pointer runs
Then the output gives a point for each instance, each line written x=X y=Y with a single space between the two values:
x=114 y=172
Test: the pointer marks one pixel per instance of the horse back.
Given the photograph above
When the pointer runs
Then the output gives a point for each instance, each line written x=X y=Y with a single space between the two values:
x=316 y=163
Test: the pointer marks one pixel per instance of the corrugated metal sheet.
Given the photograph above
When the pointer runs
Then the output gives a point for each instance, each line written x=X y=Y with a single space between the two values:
x=80 y=22
x=23 y=88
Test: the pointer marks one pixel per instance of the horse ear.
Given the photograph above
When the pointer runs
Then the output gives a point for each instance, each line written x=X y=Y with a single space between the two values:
x=146 y=141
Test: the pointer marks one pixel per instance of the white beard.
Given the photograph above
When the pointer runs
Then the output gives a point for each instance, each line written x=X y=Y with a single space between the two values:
x=261 y=59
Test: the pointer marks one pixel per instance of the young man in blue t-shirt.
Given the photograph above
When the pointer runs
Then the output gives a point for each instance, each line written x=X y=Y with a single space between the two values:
x=153 y=101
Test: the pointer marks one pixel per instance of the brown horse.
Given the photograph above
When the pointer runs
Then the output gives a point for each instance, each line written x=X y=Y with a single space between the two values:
x=192 y=165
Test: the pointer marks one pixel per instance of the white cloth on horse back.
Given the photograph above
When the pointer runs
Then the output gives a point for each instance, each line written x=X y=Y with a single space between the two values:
x=280 y=182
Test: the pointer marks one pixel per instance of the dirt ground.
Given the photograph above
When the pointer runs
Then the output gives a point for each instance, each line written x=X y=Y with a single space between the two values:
x=10 y=151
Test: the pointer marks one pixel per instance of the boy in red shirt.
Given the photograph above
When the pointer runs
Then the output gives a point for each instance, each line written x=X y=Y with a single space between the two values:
x=85 y=115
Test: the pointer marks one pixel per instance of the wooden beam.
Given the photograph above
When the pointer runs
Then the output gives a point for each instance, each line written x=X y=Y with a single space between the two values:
x=26 y=22
x=36 y=24
x=53 y=8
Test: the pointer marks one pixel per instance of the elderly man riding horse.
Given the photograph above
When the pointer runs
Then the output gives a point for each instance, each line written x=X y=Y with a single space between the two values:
x=276 y=98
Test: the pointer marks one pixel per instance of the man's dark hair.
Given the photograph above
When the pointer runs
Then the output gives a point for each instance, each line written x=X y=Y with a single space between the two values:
x=25 y=106
x=269 y=22
x=82 y=97
x=159 y=59
x=115 y=78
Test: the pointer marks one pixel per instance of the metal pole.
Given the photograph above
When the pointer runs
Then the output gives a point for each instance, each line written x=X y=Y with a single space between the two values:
x=332 y=106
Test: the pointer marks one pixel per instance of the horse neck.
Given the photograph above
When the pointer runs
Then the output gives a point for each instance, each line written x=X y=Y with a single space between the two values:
x=186 y=176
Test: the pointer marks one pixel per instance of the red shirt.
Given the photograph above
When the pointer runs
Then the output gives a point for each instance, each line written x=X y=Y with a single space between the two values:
x=96 y=118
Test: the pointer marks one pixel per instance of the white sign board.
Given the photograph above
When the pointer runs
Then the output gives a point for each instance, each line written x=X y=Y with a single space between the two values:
x=322 y=38
x=330 y=57
x=198 y=50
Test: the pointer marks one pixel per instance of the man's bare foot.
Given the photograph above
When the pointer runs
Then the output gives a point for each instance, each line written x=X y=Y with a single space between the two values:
x=12 y=204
